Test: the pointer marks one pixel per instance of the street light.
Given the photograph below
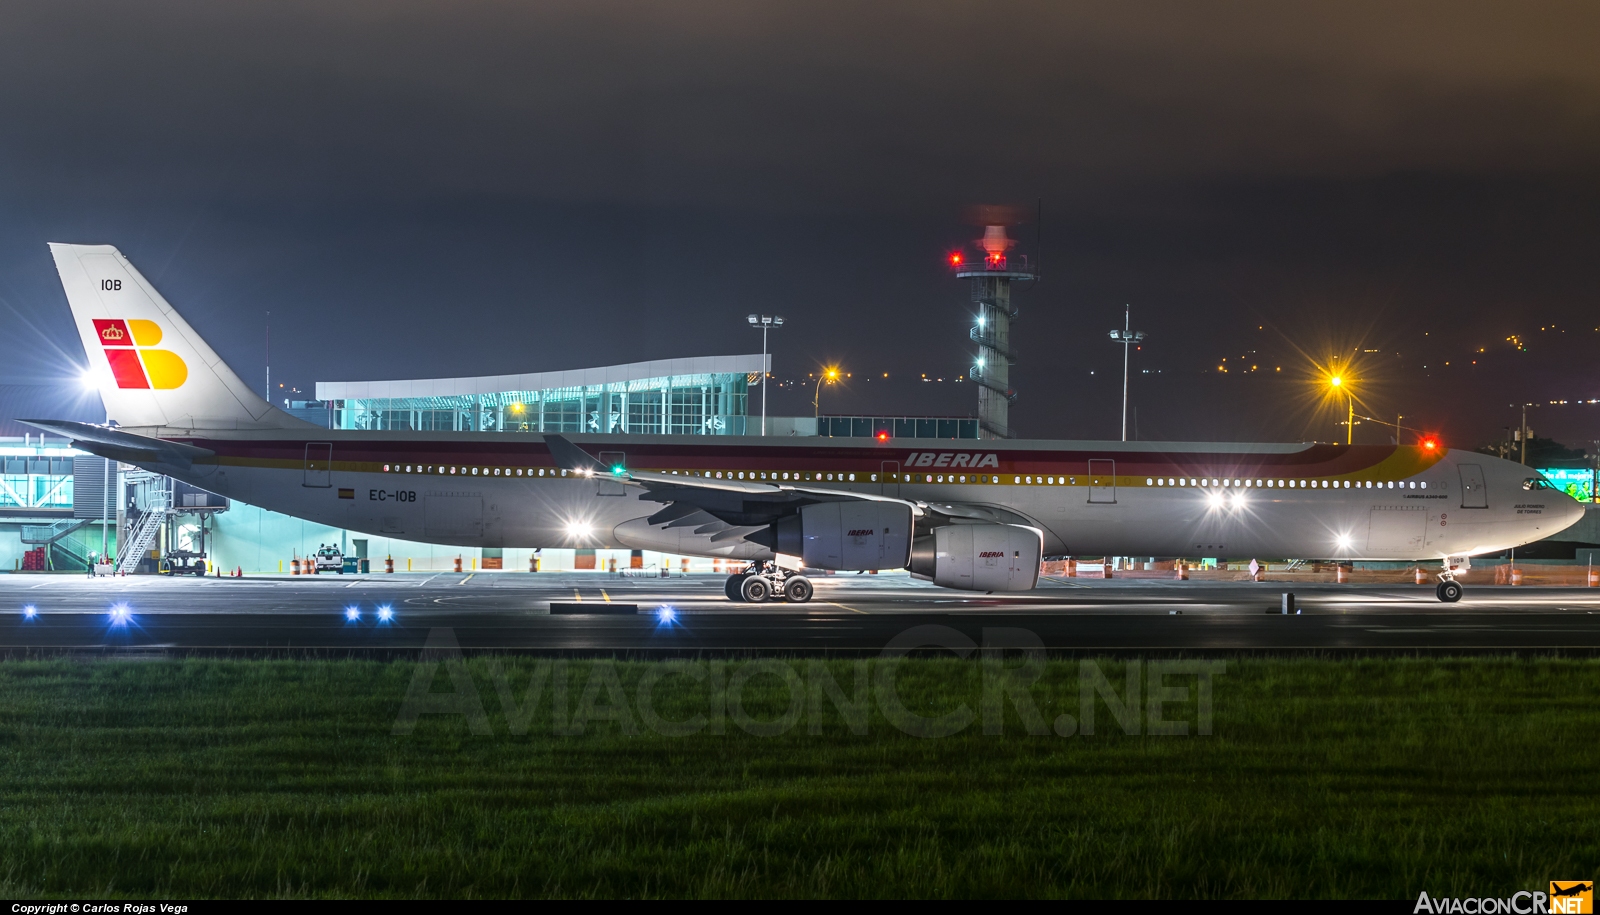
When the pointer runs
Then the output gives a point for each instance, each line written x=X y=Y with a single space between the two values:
x=1337 y=381
x=765 y=323
x=1127 y=338
x=830 y=375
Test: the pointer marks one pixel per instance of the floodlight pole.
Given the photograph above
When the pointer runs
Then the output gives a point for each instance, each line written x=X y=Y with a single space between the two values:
x=766 y=323
x=1127 y=337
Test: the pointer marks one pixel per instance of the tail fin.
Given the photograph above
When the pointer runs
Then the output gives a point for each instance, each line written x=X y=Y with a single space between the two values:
x=152 y=369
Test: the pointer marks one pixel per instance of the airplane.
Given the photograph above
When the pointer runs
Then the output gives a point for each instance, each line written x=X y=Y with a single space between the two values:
x=968 y=515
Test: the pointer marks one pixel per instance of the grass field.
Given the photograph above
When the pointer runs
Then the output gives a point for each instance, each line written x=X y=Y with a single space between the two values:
x=1322 y=778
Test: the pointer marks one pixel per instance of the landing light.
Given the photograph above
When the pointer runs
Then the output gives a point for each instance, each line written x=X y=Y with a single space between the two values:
x=1344 y=542
x=1216 y=500
x=1238 y=500
x=578 y=529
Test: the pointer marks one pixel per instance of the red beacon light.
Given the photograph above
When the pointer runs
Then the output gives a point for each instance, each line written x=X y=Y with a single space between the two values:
x=883 y=435
x=955 y=259
x=1429 y=444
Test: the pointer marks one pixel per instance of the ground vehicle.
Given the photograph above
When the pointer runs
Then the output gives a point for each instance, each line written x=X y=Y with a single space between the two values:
x=329 y=559
x=183 y=562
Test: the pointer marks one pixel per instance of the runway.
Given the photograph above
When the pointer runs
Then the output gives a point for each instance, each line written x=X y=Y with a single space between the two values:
x=855 y=614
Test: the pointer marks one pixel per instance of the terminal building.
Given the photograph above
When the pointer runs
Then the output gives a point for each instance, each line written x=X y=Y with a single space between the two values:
x=702 y=395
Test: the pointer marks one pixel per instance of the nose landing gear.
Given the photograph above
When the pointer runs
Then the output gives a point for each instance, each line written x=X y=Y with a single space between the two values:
x=1449 y=590
x=766 y=580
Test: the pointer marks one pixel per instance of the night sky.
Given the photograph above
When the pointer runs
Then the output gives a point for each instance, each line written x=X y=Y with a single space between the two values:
x=435 y=189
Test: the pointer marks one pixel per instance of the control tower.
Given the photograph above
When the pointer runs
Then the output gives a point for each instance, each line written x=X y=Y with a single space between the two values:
x=991 y=279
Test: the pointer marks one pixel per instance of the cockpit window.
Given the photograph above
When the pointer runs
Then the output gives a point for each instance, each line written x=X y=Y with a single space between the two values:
x=1537 y=483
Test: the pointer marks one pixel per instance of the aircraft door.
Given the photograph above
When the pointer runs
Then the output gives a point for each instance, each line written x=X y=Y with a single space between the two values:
x=319 y=460
x=1474 y=494
x=889 y=479
x=1102 y=480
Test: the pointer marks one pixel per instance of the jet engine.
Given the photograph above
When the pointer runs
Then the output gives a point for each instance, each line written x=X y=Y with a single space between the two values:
x=846 y=536
x=979 y=557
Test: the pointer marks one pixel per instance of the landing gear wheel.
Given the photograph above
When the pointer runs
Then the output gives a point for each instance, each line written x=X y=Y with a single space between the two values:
x=755 y=590
x=797 y=590
x=1449 y=591
x=732 y=587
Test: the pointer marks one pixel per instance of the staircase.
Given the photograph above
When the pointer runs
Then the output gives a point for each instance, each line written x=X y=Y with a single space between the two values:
x=44 y=534
x=156 y=504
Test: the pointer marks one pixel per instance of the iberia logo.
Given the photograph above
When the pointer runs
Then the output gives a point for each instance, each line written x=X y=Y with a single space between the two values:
x=132 y=364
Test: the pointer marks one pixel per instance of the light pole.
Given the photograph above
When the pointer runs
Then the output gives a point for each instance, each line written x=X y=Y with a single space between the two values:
x=1350 y=411
x=1127 y=338
x=765 y=323
x=830 y=375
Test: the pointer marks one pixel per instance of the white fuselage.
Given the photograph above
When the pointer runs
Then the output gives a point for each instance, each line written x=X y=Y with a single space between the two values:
x=1088 y=498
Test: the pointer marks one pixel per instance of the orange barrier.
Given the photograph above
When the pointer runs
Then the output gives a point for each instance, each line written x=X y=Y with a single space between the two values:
x=1516 y=575
x=1342 y=576
x=388 y=565
x=1422 y=577
x=294 y=566
x=458 y=563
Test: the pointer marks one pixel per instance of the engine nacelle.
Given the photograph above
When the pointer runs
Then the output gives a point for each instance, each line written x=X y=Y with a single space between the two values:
x=979 y=557
x=846 y=536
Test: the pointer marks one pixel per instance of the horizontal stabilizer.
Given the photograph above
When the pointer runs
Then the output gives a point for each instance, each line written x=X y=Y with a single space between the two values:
x=123 y=446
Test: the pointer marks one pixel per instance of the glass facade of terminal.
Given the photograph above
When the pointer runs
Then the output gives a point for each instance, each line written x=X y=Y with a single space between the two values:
x=897 y=426
x=700 y=404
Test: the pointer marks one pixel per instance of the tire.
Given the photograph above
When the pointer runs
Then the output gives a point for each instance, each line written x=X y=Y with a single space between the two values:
x=731 y=588
x=755 y=590
x=797 y=590
x=1449 y=591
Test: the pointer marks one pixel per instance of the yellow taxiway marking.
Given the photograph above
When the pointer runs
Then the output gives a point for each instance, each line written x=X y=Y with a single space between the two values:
x=605 y=595
x=843 y=607
x=1063 y=581
x=465 y=580
x=576 y=596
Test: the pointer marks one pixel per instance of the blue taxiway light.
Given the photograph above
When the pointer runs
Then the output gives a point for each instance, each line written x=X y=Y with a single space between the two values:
x=666 y=615
x=385 y=614
x=29 y=612
x=352 y=614
x=120 y=614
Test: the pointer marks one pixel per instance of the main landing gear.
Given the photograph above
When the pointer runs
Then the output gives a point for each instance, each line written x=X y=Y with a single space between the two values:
x=764 y=581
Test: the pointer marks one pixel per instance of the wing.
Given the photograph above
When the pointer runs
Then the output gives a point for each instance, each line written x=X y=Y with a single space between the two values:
x=727 y=514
